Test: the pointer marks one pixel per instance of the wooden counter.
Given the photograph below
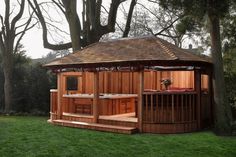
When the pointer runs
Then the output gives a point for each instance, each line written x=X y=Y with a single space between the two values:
x=109 y=104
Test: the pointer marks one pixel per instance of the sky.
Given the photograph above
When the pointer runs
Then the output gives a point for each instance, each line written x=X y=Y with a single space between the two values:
x=33 y=44
x=32 y=41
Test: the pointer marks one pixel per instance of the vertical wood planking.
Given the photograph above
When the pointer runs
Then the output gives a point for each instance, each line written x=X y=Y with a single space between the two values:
x=173 y=108
x=146 y=107
x=126 y=82
x=96 y=97
x=51 y=101
x=194 y=106
x=182 y=108
x=167 y=115
x=83 y=83
x=190 y=107
x=162 y=107
x=186 y=107
x=177 y=108
x=59 y=95
x=151 y=107
x=157 y=109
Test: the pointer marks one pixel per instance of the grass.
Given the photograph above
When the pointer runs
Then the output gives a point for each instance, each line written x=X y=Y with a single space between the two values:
x=34 y=137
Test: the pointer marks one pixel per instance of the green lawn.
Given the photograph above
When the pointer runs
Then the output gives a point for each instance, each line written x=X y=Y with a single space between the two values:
x=33 y=136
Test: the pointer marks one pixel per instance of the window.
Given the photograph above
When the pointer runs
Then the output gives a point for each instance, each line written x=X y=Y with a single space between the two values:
x=72 y=83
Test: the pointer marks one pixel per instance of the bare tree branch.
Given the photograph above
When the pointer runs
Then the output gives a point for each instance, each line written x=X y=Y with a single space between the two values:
x=116 y=22
x=98 y=13
x=46 y=44
x=7 y=15
x=19 y=15
x=154 y=14
x=155 y=1
x=169 y=36
x=170 y=25
x=12 y=10
x=22 y=33
x=2 y=22
x=59 y=5
x=91 y=13
x=22 y=25
x=3 y=27
x=54 y=26
x=128 y=21
x=2 y=46
x=74 y=23
x=112 y=15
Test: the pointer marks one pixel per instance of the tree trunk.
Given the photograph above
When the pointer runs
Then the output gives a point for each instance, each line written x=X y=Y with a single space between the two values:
x=223 y=115
x=8 y=33
x=74 y=23
x=7 y=70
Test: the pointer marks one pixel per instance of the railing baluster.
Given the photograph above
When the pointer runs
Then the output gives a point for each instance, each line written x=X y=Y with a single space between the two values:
x=173 y=108
x=162 y=103
x=151 y=107
x=182 y=108
x=157 y=109
x=167 y=115
x=177 y=108
x=185 y=107
x=190 y=107
x=146 y=108
x=194 y=104
x=169 y=108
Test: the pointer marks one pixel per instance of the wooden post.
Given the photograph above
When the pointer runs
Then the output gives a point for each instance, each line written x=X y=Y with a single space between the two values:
x=197 y=86
x=140 y=100
x=96 y=96
x=59 y=91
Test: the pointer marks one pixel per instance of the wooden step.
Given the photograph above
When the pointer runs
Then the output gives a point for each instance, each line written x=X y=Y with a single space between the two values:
x=96 y=126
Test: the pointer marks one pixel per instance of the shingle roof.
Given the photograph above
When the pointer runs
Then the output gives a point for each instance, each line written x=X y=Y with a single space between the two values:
x=142 y=50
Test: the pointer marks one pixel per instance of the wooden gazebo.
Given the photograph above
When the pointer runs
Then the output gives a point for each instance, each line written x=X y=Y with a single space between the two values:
x=117 y=86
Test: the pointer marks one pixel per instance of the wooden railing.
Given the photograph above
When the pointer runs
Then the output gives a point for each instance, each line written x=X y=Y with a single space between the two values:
x=53 y=100
x=53 y=103
x=169 y=107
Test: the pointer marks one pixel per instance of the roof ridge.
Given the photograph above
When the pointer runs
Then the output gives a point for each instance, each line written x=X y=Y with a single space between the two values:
x=166 y=50
x=186 y=51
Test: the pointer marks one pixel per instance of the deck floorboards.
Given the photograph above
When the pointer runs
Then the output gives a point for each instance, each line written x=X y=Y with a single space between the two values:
x=96 y=126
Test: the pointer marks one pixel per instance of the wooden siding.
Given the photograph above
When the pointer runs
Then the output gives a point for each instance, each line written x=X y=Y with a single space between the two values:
x=127 y=82
x=53 y=100
x=170 y=128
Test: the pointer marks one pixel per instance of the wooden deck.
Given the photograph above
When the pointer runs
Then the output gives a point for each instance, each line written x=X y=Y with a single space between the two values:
x=96 y=126
x=126 y=117
x=120 y=123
